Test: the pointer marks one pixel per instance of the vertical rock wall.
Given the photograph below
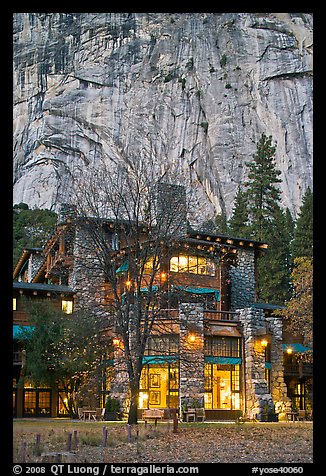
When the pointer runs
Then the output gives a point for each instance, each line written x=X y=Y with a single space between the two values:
x=186 y=92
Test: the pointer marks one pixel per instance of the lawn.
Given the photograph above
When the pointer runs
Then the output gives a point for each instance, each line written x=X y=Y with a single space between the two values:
x=110 y=442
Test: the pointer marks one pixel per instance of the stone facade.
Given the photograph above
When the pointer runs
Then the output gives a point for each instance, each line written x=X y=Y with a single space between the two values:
x=86 y=277
x=191 y=377
x=258 y=397
x=242 y=276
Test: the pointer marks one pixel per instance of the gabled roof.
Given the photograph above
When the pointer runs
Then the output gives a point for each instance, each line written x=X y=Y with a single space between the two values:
x=23 y=258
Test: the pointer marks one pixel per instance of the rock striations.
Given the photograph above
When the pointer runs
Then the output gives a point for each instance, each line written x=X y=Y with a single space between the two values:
x=192 y=89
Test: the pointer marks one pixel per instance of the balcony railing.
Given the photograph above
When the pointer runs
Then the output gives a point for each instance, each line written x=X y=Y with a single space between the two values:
x=298 y=370
x=220 y=315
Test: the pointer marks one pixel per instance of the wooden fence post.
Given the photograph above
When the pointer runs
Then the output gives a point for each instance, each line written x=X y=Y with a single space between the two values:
x=105 y=436
x=24 y=452
x=69 y=441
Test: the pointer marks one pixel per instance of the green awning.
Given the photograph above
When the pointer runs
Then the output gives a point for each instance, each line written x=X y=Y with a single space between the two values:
x=193 y=290
x=22 y=332
x=211 y=359
x=296 y=348
x=123 y=268
x=108 y=362
x=159 y=359
x=149 y=288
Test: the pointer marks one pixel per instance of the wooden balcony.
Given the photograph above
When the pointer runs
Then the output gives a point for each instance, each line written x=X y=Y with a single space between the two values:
x=212 y=315
x=298 y=370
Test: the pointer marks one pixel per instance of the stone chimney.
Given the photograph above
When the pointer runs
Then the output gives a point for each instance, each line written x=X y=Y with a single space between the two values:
x=171 y=209
x=66 y=213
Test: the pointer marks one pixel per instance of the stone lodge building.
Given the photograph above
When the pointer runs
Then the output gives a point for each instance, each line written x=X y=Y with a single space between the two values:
x=212 y=345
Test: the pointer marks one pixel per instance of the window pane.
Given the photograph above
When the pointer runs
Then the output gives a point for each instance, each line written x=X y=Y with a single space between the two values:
x=192 y=264
x=67 y=306
x=210 y=268
x=201 y=265
x=183 y=264
x=174 y=264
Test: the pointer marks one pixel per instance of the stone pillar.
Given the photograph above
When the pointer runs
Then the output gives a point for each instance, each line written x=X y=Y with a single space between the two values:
x=242 y=277
x=119 y=385
x=191 y=354
x=87 y=278
x=258 y=398
x=278 y=386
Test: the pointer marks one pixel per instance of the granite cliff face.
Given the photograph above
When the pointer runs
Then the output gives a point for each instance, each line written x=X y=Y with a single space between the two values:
x=193 y=89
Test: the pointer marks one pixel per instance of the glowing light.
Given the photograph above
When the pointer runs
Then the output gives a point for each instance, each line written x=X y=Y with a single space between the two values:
x=264 y=343
x=192 y=337
x=128 y=284
x=289 y=350
x=116 y=341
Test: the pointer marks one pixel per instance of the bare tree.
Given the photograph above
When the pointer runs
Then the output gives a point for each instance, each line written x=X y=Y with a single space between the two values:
x=144 y=212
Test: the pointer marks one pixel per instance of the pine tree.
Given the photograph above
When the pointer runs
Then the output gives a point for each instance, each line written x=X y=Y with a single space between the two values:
x=268 y=223
x=273 y=268
x=303 y=234
x=238 y=223
x=261 y=190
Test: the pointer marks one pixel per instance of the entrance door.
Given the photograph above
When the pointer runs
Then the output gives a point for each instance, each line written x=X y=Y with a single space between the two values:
x=222 y=387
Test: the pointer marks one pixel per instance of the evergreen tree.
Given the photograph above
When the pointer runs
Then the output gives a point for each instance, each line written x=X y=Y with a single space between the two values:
x=268 y=223
x=261 y=189
x=303 y=234
x=238 y=223
x=221 y=224
x=273 y=267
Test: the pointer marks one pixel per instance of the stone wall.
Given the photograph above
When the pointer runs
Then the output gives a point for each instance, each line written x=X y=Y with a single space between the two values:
x=34 y=262
x=278 y=386
x=258 y=398
x=86 y=277
x=242 y=277
x=191 y=377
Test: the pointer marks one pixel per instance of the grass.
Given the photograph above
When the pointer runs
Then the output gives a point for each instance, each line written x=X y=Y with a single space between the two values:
x=150 y=443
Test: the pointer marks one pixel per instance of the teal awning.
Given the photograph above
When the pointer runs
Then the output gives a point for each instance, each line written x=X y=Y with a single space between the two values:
x=148 y=289
x=159 y=359
x=22 y=332
x=193 y=290
x=123 y=268
x=268 y=365
x=108 y=362
x=296 y=348
x=211 y=359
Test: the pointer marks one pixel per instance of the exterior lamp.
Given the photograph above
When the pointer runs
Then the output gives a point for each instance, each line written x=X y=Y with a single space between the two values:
x=191 y=337
x=264 y=343
x=289 y=350
x=163 y=277
x=128 y=284
x=116 y=341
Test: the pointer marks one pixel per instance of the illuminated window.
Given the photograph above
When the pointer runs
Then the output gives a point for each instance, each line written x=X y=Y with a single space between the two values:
x=148 y=266
x=67 y=306
x=14 y=304
x=192 y=264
